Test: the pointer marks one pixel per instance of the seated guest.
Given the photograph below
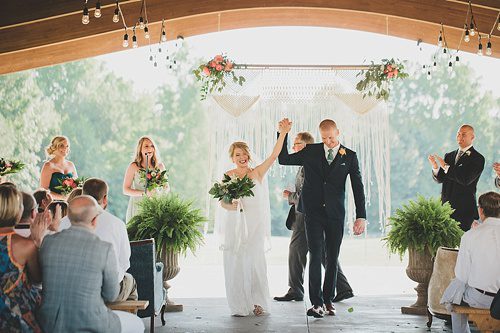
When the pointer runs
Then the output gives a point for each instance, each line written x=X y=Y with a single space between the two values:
x=111 y=229
x=477 y=270
x=19 y=266
x=79 y=276
x=43 y=199
x=74 y=193
x=496 y=167
x=495 y=306
x=30 y=209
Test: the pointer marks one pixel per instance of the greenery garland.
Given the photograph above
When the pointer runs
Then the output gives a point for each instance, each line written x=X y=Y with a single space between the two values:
x=378 y=78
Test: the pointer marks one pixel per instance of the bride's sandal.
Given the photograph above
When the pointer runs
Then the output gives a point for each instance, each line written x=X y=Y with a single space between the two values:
x=258 y=310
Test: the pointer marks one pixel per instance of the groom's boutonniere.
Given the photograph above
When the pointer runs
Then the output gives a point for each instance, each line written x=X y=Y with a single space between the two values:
x=467 y=153
x=342 y=151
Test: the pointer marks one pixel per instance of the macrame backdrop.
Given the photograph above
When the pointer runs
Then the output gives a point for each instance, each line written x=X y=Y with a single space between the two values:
x=306 y=96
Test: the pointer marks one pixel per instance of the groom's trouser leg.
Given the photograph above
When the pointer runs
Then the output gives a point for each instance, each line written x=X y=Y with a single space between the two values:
x=297 y=257
x=334 y=231
x=315 y=242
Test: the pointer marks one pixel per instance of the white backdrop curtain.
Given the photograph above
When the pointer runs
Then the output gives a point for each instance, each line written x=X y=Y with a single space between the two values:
x=306 y=96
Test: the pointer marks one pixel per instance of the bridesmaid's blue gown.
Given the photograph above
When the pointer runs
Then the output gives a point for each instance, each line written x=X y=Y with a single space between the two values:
x=56 y=180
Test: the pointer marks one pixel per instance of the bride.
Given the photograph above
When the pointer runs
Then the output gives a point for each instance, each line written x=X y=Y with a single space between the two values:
x=244 y=230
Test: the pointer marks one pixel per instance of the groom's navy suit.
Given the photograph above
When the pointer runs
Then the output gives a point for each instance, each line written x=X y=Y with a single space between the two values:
x=323 y=203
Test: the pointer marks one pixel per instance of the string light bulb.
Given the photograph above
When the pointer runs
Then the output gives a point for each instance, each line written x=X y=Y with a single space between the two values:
x=151 y=58
x=429 y=76
x=141 y=22
x=450 y=67
x=163 y=36
x=125 y=40
x=457 y=60
x=480 y=49
x=472 y=30
x=97 y=11
x=488 y=48
x=85 y=16
x=440 y=39
x=146 y=32
x=134 y=41
x=116 y=16
x=466 y=37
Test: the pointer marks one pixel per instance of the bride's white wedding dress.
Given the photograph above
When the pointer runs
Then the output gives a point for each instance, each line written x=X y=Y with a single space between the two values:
x=244 y=238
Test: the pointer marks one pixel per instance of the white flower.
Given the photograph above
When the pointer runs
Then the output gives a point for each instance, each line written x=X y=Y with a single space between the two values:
x=467 y=152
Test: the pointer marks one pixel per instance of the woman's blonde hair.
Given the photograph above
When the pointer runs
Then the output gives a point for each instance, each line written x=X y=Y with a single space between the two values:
x=55 y=144
x=243 y=146
x=11 y=206
x=155 y=160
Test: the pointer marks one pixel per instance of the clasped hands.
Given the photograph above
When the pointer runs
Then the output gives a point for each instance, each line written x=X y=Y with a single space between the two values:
x=284 y=126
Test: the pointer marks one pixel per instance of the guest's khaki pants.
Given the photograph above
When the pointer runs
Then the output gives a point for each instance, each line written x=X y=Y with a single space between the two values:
x=128 y=289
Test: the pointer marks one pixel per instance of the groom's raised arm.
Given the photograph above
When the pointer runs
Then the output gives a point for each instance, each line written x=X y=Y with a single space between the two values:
x=290 y=159
x=357 y=188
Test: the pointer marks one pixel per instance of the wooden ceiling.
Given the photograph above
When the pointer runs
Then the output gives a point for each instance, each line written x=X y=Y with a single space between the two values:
x=36 y=33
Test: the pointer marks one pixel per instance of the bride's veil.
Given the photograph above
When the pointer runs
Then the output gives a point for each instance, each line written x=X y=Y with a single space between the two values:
x=231 y=227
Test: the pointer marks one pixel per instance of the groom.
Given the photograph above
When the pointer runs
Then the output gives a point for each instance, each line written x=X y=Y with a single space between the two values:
x=326 y=167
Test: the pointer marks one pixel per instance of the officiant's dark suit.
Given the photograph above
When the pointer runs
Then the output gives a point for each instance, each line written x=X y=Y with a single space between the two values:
x=459 y=184
x=323 y=202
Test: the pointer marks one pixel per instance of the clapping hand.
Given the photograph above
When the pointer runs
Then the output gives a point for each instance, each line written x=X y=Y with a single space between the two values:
x=496 y=167
x=359 y=226
x=39 y=226
x=56 y=220
x=284 y=126
x=442 y=163
x=286 y=194
x=432 y=161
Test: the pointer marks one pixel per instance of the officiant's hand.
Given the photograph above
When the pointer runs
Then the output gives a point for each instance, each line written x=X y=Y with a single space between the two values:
x=432 y=161
x=284 y=126
x=359 y=226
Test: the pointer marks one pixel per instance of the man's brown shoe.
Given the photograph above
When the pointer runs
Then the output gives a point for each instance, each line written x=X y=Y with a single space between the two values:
x=330 y=309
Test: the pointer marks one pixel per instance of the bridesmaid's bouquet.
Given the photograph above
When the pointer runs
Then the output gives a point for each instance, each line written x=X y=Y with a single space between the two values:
x=69 y=183
x=10 y=166
x=154 y=178
x=232 y=187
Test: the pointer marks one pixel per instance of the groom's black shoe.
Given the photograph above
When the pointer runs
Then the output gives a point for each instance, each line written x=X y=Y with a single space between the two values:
x=316 y=312
x=289 y=297
x=342 y=296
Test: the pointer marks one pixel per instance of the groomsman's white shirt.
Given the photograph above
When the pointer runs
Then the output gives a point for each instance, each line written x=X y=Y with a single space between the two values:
x=445 y=169
x=111 y=229
x=479 y=256
x=334 y=152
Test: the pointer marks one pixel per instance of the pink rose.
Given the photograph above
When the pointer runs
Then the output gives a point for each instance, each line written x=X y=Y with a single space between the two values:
x=206 y=71
x=229 y=66
x=212 y=64
x=389 y=68
x=390 y=75
x=395 y=72
x=219 y=67
x=148 y=176
x=218 y=59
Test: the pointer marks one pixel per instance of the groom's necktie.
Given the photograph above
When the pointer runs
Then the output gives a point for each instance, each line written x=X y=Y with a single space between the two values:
x=329 y=158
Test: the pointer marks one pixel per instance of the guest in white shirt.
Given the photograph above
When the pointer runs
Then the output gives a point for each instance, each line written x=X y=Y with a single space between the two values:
x=110 y=228
x=477 y=272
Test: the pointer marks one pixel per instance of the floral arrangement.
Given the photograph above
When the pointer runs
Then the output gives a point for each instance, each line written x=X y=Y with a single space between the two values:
x=377 y=78
x=213 y=74
x=10 y=166
x=232 y=187
x=69 y=183
x=154 y=178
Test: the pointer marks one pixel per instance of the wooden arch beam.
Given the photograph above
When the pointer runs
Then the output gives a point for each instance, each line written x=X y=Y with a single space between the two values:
x=47 y=35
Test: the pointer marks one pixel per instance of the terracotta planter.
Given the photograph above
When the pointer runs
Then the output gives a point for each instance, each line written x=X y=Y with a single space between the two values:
x=170 y=270
x=419 y=270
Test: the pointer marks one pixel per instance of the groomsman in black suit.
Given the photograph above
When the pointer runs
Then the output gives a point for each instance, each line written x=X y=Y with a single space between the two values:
x=326 y=167
x=459 y=173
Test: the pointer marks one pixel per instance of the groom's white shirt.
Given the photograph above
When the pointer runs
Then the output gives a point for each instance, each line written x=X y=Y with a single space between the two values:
x=334 y=152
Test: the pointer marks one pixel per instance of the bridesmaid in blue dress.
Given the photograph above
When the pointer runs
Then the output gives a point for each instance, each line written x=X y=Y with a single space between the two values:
x=57 y=167
x=132 y=185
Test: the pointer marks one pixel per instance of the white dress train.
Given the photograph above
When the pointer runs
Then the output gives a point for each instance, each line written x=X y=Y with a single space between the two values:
x=244 y=238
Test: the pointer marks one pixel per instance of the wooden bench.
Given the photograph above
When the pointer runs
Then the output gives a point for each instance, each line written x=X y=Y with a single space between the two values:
x=128 y=306
x=481 y=317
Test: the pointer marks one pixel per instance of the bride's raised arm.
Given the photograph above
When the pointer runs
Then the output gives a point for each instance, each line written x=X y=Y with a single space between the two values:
x=284 y=127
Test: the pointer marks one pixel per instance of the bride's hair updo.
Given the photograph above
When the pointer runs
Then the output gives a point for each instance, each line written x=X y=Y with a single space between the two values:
x=56 y=143
x=138 y=158
x=243 y=146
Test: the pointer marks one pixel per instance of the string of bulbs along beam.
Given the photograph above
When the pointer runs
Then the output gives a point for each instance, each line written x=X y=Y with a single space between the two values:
x=471 y=29
x=141 y=23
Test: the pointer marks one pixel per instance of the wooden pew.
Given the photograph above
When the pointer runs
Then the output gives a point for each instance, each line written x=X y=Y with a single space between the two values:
x=481 y=318
x=128 y=306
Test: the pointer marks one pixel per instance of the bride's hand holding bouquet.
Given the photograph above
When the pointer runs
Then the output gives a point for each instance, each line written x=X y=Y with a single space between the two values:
x=231 y=189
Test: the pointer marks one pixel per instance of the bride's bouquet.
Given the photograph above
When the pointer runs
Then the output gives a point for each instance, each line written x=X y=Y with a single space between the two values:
x=154 y=178
x=9 y=167
x=232 y=188
x=68 y=184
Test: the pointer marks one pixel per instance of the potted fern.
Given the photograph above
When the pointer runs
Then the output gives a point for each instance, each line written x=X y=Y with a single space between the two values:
x=420 y=227
x=176 y=227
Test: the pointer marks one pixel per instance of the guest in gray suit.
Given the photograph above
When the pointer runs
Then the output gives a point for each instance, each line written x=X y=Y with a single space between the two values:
x=297 y=251
x=79 y=276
